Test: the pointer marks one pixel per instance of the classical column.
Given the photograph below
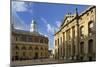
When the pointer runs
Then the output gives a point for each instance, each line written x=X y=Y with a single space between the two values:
x=77 y=34
x=65 y=45
x=60 y=47
x=76 y=44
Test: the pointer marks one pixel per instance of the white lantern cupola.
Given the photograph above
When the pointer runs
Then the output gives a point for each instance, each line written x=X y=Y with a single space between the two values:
x=33 y=26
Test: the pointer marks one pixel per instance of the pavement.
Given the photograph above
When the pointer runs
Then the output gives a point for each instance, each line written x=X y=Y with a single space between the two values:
x=39 y=62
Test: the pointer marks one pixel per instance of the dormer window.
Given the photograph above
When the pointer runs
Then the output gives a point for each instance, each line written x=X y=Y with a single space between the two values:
x=87 y=14
x=91 y=11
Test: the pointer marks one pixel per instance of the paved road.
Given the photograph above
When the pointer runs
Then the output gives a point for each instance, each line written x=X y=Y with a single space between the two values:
x=42 y=61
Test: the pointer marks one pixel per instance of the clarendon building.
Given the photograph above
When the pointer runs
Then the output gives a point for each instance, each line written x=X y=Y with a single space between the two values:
x=76 y=37
x=28 y=45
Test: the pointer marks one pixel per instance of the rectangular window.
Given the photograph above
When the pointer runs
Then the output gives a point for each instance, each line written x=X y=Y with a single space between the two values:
x=30 y=39
x=23 y=38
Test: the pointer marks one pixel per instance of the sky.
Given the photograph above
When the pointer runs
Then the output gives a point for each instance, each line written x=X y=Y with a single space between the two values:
x=48 y=16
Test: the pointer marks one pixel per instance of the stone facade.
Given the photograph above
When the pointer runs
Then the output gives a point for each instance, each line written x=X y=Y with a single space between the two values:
x=76 y=38
x=26 y=45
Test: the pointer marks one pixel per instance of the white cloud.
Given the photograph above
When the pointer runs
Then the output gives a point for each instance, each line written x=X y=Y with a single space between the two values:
x=45 y=35
x=58 y=23
x=50 y=28
x=19 y=6
x=44 y=20
x=16 y=20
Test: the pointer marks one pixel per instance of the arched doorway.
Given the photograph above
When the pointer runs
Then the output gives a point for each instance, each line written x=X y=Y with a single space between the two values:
x=81 y=50
x=36 y=55
x=90 y=49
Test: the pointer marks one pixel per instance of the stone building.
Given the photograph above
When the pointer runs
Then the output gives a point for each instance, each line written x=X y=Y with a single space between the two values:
x=76 y=37
x=28 y=45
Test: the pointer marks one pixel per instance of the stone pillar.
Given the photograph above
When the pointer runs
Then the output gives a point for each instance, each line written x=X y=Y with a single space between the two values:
x=60 y=47
x=76 y=41
x=65 y=45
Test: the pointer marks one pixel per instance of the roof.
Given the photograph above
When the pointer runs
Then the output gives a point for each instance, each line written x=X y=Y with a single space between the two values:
x=27 y=32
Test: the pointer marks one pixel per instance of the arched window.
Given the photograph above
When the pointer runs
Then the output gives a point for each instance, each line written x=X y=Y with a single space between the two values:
x=17 y=53
x=23 y=48
x=16 y=47
x=87 y=14
x=91 y=11
x=36 y=48
x=41 y=48
x=81 y=31
x=30 y=48
x=16 y=58
x=36 y=55
x=90 y=46
x=90 y=27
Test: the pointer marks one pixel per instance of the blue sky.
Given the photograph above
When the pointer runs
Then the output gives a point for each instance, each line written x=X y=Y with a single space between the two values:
x=47 y=16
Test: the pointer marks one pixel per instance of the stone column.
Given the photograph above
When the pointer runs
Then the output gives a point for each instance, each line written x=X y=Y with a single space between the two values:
x=65 y=45
x=76 y=42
